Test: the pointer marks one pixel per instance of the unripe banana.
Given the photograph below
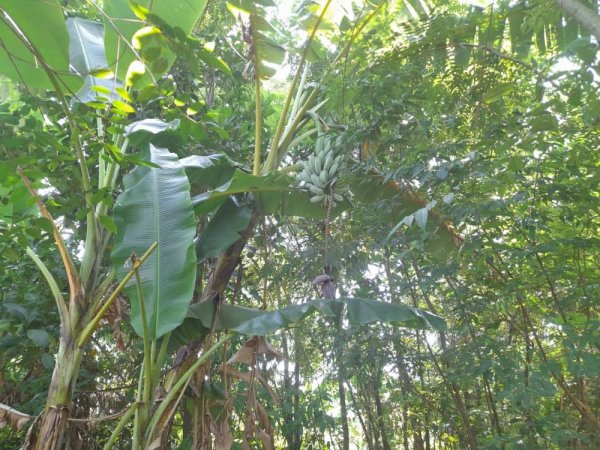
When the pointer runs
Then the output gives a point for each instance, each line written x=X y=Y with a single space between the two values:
x=324 y=176
x=315 y=189
x=328 y=160
x=319 y=145
x=316 y=180
x=333 y=169
x=318 y=163
x=322 y=170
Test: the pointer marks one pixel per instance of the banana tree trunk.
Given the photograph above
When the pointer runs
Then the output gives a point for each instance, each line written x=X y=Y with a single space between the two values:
x=50 y=430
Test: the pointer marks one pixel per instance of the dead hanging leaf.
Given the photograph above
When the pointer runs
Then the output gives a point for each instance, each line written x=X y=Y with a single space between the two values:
x=116 y=313
x=266 y=439
x=155 y=444
x=15 y=419
x=256 y=345
x=263 y=418
x=257 y=423
x=244 y=376
x=222 y=433
x=247 y=377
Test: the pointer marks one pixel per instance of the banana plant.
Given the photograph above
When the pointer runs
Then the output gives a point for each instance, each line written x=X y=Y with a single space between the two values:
x=47 y=50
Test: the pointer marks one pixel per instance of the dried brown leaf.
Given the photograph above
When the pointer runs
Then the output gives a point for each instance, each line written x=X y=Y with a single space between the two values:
x=15 y=419
x=264 y=348
x=222 y=433
x=267 y=439
x=256 y=345
x=244 y=376
x=263 y=417
x=245 y=354
x=155 y=443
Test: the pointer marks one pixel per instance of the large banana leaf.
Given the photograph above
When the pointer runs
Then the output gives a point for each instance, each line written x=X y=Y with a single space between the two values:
x=48 y=37
x=121 y=24
x=253 y=322
x=87 y=57
x=155 y=206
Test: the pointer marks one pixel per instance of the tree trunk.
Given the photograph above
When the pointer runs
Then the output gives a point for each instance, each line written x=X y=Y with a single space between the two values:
x=296 y=403
x=290 y=434
x=52 y=426
x=343 y=411
x=342 y=388
x=380 y=419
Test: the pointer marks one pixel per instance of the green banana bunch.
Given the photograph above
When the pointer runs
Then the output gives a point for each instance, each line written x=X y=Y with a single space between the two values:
x=322 y=171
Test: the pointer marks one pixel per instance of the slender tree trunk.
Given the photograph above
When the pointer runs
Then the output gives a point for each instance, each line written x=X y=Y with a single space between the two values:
x=342 y=388
x=360 y=418
x=343 y=411
x=405 y=423
x=296 y=387
x=287 y=388
x=380 y=417
x=364 y=394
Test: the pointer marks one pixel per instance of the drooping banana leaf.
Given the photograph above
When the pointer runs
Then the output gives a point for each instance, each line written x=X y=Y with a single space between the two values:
x=87 y=57
x=128 y=37
x=239 y=183
x=155 y=206
x=223 y=230
x=154 y=131
x=49 y=38
x=253 y=322
x=208 y=172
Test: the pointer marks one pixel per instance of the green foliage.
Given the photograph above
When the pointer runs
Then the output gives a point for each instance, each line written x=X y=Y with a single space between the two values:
x=88 y=59
x=128 y=39
x=155 y=206
x=468 y=134
x=48 y=40
x=223 y=230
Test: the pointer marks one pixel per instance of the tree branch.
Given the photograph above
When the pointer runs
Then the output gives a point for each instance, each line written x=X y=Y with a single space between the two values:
x=585 y=16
